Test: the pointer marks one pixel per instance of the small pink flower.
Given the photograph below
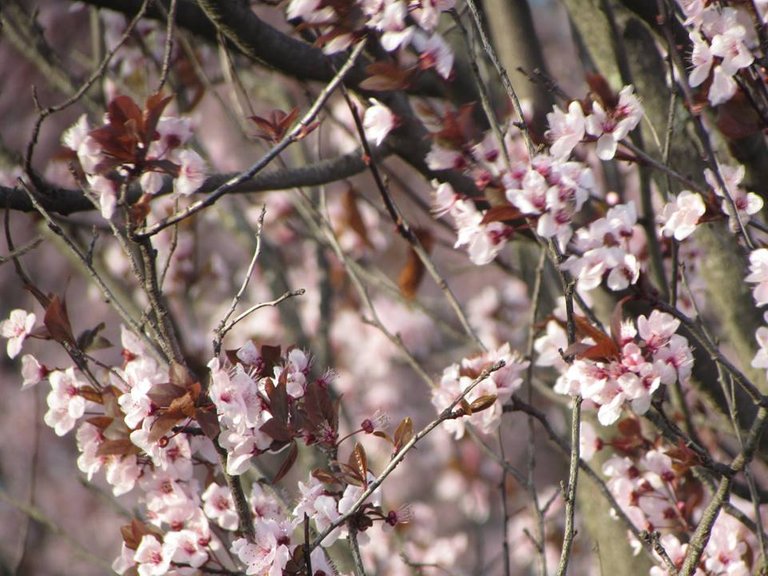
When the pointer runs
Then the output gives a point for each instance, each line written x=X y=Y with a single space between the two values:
x=681 y=216
x=31 y=371
x=378 y=121
x=191 y=172
x=18 y=326
x=566 y=130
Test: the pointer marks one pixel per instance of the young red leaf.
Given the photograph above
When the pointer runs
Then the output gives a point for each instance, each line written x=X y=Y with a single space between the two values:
x=359 y=460
x=56 y=321
x=482 y=403
x=403 y=433
x=288 y=463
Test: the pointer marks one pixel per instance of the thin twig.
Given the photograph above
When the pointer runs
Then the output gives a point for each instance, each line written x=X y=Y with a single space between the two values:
x=21 y=250
x=501 y=71
x=171 y=16
x=221 y=331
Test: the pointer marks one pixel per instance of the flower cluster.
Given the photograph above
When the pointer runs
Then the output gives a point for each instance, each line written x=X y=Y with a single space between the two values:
x=608 y=123
x=134 y=145
x=552 y=191
x=719 y=47
x=339 y=24
x=610 y=245
x=488 y=396
x=265 y=401
x=655 y=487
x=626 y=368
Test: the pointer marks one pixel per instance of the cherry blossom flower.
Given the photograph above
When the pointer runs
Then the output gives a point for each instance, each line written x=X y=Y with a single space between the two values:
x=444 y=199
x=191 y=172
x=612 y=126
x=184 y=547
x=219 y=506
x=65 y=404
x=434 y=53
x=457 y=379
x=566 y=130
x=682 y=214
x=701 y=58
x=31 y=371
x=483 y=240
x=269 y=553
x=320 y=507
x=758 y=274
x=746 y=203
x=16 y=328
x=378 y=121
x=153 y=558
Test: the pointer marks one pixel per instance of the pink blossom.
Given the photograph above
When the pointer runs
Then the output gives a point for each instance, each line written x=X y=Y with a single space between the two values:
x=65 y=405
x=435 y=53
x=440 y=158
x=566 y=130
x=746 y=203
x=31 y=371
x=219 y=506
x=457 y=379
x=444 y=198
x=16 y=328
x=152 y=556
x=378 y=121
x=701 y=58
x=269 y=553
x=483 y=240
x=682 y=214
x=613 y=126
x=192 y=172
x=184 y=547
x=758 y=274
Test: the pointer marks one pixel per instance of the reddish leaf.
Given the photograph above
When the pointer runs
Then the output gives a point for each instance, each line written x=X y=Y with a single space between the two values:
x=384 y=435
x=90 y=339
x=601 y=89
x=324 y=476
x=162 y=395
x=162 y=425
x=482 y=403
x=56 y=321
x=276 y=430
x=412 y=273
x=359 y=461
x=100 y=422
x=90 y=393
x=154 y=107
x=274 y=127
x=133 y=533
x=385 y=76
x=120 y=447
x=182 y=406
x=403 y=433
x=629 y=427
x=208 y=422
x=737 y=118
x=352 y=218
x=604 y=349
x=288 y=463
x=506 y=214
x=616 y=319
